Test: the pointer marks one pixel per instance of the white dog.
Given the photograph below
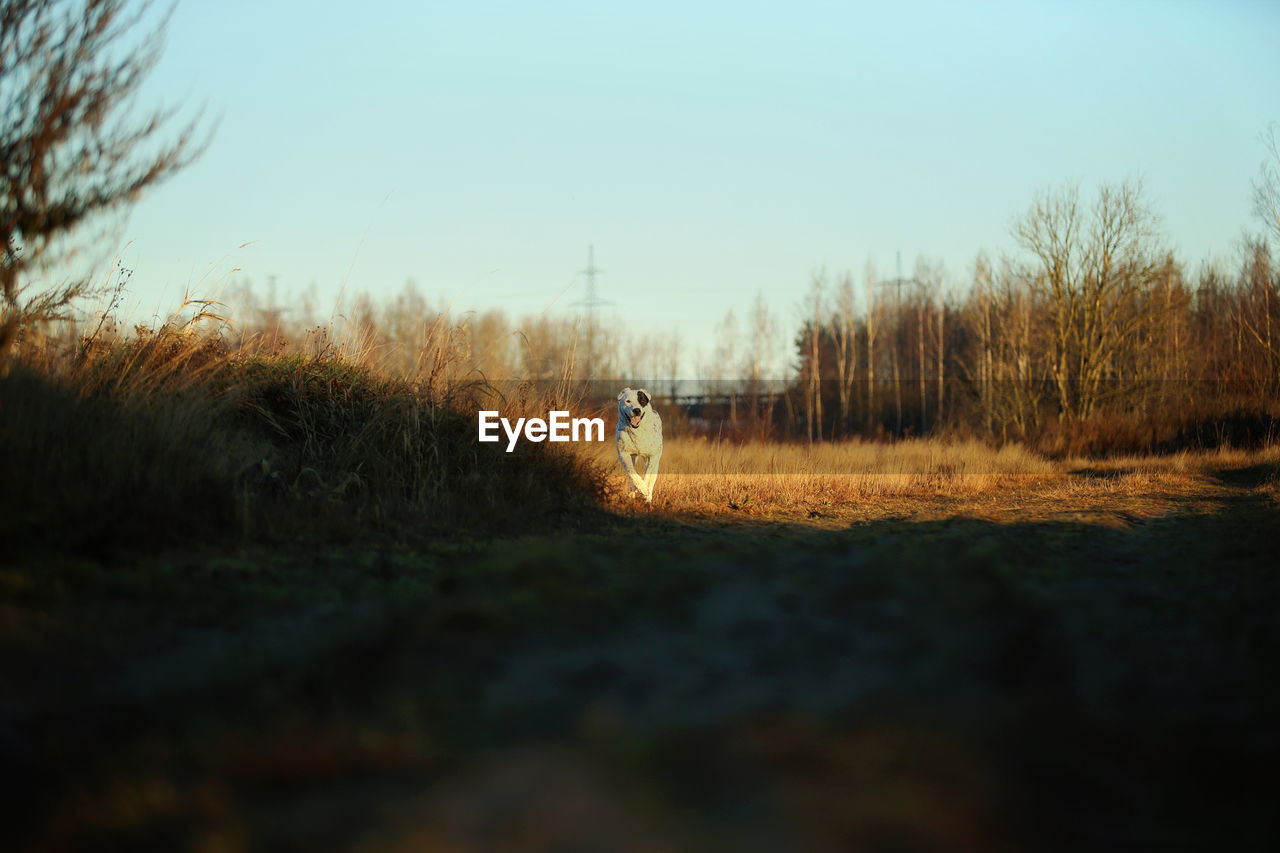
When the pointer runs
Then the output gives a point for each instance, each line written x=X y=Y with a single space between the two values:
x=639 y=435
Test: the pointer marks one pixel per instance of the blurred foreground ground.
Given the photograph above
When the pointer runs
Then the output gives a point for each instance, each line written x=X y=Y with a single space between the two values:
x=1067 y=664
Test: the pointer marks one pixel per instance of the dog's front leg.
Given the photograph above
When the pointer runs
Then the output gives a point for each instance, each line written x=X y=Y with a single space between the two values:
x=651 y=476
x=634 y=483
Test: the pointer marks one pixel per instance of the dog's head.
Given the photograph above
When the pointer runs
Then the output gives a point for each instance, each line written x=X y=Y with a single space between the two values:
x=633 y=405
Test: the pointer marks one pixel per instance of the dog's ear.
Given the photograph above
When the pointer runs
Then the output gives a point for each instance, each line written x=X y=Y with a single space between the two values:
x=622 y=395
x=643 y=396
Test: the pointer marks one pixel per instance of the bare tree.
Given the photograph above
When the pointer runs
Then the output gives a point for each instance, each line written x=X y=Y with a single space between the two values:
x=724 y=367
x=1021 y=371
x=1090 y=267
x=927 y=276
x=981 y=323
x=844 y=331
x=1004 y=365
x=873 y=327
x=941 y=352
x=1266 y=190
x=813 y=397
x=1256 y=308
x=493 y=344
x=670 y=360
x=1266 y=203
x=895 y=362
x=638 y=355
x=763 y=335
x=549 y=347
x=71 y=146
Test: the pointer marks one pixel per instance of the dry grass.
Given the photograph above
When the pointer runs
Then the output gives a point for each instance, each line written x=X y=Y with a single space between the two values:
x=839 y=483
x=701 y=475
x=181 y=433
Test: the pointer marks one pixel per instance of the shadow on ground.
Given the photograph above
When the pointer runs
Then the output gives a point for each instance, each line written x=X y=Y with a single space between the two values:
x=897 y=685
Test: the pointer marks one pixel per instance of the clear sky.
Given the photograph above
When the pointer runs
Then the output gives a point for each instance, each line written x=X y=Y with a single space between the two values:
x=708 y=150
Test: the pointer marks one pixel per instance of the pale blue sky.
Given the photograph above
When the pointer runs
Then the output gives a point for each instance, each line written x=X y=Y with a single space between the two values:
x=708 y=150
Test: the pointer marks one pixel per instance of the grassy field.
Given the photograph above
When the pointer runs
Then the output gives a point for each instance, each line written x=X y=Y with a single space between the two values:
x=277 y=602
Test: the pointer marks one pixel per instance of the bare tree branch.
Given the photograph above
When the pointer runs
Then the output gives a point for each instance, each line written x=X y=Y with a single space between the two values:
x=71 y=148
x=1091 y=274
x=1266 y=190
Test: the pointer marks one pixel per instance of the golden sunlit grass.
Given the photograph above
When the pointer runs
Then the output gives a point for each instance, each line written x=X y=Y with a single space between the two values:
x=851 y=481
x=698 y=474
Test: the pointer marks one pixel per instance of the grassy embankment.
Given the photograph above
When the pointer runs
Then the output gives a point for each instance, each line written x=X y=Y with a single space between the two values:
x=174 y=437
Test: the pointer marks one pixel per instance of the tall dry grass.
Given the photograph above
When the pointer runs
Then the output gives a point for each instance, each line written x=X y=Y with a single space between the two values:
x=189 y=431
x=704 y=474
x=847 y=480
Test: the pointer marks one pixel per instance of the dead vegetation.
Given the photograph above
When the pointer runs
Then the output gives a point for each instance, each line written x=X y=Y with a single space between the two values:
x=174 y=433
x=856 y=482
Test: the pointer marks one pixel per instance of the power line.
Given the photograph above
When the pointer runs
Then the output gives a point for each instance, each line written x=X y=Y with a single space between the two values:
x=592 y=300
x=899 y=281
x=591 y=303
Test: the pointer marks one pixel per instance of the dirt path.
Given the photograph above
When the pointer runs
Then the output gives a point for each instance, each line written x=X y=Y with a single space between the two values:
x=1081 y=665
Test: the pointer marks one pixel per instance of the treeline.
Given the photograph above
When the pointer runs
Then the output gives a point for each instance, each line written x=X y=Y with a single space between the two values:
x=1094 y=339
x=1091 y=338
x=409 y=337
